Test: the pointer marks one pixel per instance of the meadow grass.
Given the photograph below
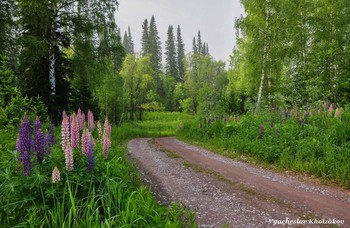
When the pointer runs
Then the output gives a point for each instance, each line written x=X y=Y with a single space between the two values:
x=111 y=195
x=317 y=144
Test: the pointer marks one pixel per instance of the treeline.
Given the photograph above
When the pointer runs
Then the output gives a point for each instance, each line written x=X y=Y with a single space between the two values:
x=291 y=53
x=63 y=55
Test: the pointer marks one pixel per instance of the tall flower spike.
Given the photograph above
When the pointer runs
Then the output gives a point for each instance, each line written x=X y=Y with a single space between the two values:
x=56 y=177
x=69 y=158
x=65 y=132
x=80 y=120
x=91 y=121
x=91 y=152
x=74 y=131
x=99 y=128
x=52 y=134
x=39 y=145
x=85 y=139
x=25 y=145
x=106 y=138
x=261 y=131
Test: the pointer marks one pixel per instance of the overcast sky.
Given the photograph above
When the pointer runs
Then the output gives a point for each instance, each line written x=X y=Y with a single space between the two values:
x=215 y=19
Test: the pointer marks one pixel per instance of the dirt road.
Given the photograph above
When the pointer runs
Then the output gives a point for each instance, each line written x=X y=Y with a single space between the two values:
x=227 y=192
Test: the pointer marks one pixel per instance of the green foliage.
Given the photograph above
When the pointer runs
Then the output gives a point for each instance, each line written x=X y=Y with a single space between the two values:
x=313 y=141
x=108 y=196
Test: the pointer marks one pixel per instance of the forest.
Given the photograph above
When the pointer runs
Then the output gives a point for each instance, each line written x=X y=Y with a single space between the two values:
x=288 y=79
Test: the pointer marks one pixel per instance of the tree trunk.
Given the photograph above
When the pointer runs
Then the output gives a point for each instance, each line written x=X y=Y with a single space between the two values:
x=263 y=69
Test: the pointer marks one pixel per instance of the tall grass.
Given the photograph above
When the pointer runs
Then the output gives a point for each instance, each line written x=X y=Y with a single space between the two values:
x=313 y=142
x=110 y=196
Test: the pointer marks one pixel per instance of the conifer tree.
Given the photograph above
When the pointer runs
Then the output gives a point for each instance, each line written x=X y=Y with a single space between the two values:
x=155 y=46
x=194 y=46
x=180 y=55
x=145 y=42
x=130 y=42
x=126 y=43
x=170 y=54
x=199 y=42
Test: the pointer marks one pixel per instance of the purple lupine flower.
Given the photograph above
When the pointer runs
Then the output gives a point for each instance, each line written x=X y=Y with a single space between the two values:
x=261 y=131
x=286 y=113
x=85 y=139
x=39 y=145
x=68 y=153
x=47 y=143
x=56 y=177
x=74 y=131
x=65 y=132
x=91 y=121
x=91 y=158
x=52 y=134
x=37 y=125
x=106 y=138
x=99 y=128
x=25 y=145
x=276 y=132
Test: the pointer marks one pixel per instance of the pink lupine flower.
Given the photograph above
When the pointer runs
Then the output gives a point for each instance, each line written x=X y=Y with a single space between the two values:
x=65 y=132
x=99 y=128
x=85 y=139
x=91 y=121
x=331 y=109
x=69 y=158
x=74 y=131
x=56 y=177
x=80 y=119
x=338 y=112
x=106 y=138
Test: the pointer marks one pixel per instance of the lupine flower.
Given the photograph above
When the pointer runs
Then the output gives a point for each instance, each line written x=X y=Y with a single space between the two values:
x=52 y=135
x=65 y=132
x=47 y=143
x=37 y=125
x=286 y=113
x=74 y=131
x=338 y=112
x=85 y=139
x=25 y=145
x=56 y=177
x=331 y=109
x=91 y=158
x=106 y=138
x=99 y=128
x=276 y=132
x=261 y=131
x=80 y=119
x=91 y=121
x=39 y=145
x=69 y=158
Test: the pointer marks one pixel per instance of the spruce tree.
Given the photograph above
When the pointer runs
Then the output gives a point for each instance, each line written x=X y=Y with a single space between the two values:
x=155 y=46
x=180 y=55
x=170 y=54
x=194 y=46
x=130 y=42
x=199 y=42
x=145 y=41
x=126 y=43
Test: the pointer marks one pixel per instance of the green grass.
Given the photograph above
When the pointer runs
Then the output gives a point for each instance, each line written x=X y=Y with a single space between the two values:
x=112 y=195
x=318 y=145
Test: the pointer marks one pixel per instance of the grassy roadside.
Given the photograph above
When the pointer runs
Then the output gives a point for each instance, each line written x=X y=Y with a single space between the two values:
x=317 y=144
x=109 y=196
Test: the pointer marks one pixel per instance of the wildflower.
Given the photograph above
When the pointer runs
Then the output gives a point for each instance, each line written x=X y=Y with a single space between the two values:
x=286 y=113
x=65 y=132
x=47 y=143
x=85 y=139
x=261 y=131
x=91 y=121
x=25 y=145
x=74 y=131
x=338 y=112
x=56 y=177
x=81 y=119
x=69 y=158
x=99 y=128
x=331 y=109
x=106 y=138
x=37 y=125
x=52 y=135
x=39 y=145
x=91 y=158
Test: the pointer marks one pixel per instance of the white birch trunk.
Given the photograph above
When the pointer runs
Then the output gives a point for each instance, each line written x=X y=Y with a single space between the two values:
x=263 y=69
